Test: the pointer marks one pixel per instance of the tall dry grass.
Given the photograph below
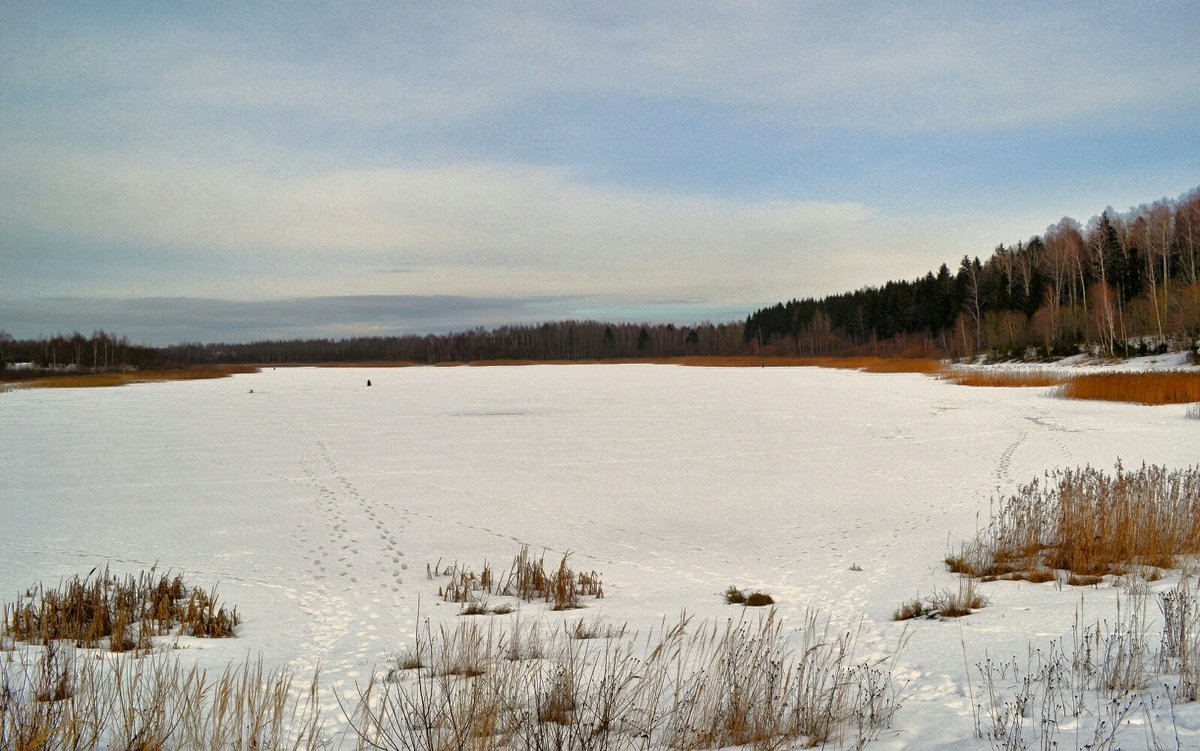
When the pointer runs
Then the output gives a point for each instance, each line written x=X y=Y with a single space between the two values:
x=1152 y=387
x=1084 y=687
x=1142 y=387
x=870 y=364
x=894 y=365
x=1083 y=690
x=126 y=377
x=58 y=698
x=684 y=686
x=527 y=579
x=1090 y=522
x=119 y=613
x=1004 y=378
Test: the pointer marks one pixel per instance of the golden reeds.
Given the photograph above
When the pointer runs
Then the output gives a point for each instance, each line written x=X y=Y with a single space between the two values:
x=1004 y=378
x=123 y=378
x=883 y=364
x=120 y=613
x=1140 y=387
x=1149 y=387
x=1089 y=523
x=870 y=364
x=865 y=363
x=527 y=579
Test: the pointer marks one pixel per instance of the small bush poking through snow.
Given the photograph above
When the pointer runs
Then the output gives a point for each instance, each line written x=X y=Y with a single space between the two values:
x=475 y=607
x=943 y=604
x=734 y=596
x=965 y=601
x=909 y=609
x=527 y=579
x=755 y=599
x=759 y=599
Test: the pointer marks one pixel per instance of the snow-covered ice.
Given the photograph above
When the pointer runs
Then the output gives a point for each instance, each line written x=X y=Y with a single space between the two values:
x=315 y=502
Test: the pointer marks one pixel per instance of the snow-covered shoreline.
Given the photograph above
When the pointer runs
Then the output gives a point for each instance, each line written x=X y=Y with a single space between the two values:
x=1088 y=363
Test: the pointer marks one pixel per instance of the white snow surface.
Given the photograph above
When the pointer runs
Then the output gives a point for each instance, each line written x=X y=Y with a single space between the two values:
x=1082 y=364
x=315 y=502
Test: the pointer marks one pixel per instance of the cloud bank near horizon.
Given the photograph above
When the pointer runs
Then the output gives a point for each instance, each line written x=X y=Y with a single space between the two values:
x=163 y=321
x=726 y=155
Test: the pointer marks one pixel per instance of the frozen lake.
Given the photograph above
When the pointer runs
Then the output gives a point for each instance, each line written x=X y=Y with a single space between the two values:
x=316 y=502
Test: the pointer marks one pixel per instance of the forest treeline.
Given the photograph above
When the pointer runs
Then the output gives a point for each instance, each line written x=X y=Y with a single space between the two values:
x=562 y=340
x=99 y=352
x=1123 y=284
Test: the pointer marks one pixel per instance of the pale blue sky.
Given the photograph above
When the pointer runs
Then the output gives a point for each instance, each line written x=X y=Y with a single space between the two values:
x=522 y=162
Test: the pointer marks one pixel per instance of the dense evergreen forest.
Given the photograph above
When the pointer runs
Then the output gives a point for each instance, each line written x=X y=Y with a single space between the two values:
x=1124 y=284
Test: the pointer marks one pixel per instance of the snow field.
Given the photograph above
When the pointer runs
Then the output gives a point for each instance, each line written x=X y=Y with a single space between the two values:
x=315 y=502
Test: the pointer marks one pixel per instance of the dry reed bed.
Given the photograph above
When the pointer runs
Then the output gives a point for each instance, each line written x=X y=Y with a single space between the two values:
x=118 y=613
x=61 y=699
x=870 y=364
x=1004 y=378
x=685 y=686
x=1154 y=387
x=1090 y=523
x=867 y=364
x=1143 y=387
x=124 y=378
x=879 y=364
x=527 y=579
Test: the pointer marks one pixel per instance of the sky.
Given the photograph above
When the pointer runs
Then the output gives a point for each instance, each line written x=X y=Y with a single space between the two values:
x=235 y=171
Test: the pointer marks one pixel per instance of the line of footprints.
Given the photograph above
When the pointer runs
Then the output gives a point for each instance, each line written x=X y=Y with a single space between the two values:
x=339 y=550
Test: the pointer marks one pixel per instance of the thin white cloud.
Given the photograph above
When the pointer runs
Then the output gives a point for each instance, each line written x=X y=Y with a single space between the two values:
x=465 y=230
x=890 y=66
x=211 y=143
